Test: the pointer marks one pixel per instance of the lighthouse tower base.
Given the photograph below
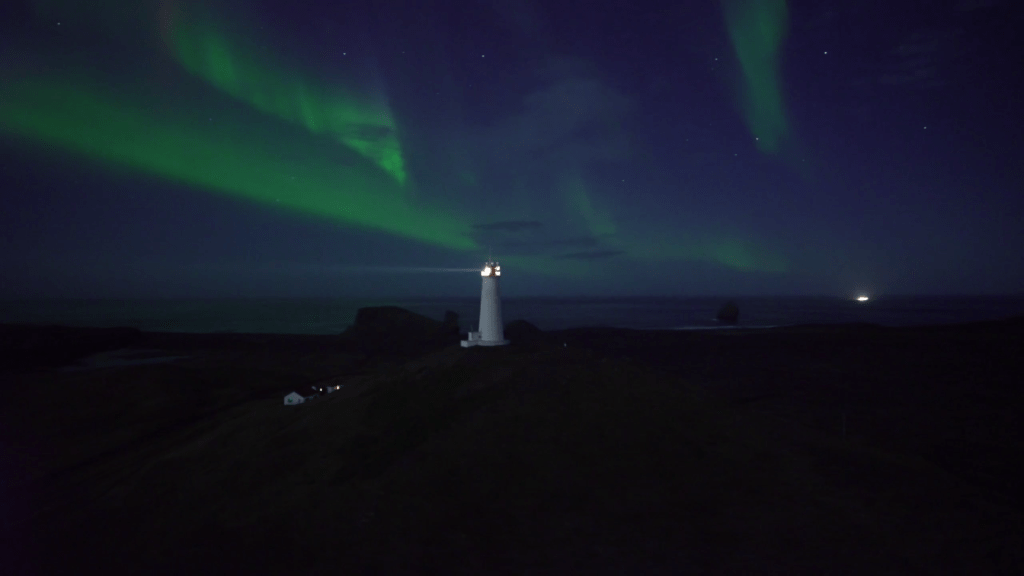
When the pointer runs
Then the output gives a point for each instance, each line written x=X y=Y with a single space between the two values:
x=474 y=340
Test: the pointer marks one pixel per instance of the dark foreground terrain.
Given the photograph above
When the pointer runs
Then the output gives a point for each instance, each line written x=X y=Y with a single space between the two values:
x=807 y=450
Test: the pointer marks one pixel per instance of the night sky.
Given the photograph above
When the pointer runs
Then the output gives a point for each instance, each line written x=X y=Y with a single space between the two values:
x=272 y=148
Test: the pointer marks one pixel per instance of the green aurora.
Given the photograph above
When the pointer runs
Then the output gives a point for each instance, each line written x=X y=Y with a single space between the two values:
x=757 y=29
x=363 y=124
x=364 y=184
x=87 y=121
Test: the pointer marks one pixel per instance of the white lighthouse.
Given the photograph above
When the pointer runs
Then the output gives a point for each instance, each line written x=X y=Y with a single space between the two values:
x=492 y=331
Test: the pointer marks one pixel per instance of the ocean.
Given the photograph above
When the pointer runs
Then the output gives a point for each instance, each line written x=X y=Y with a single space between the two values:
x=333 y=315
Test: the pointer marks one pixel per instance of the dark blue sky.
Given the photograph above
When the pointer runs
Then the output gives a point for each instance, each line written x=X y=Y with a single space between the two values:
x=596 y=148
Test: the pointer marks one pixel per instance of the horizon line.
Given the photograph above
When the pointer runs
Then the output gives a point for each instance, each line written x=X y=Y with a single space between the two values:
x=874 y=297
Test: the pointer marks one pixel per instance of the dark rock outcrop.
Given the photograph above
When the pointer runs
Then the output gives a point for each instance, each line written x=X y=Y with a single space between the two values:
x=397 y=330
x=450 y=324
x=522 y=331
x=729 y=313
x=526 y=337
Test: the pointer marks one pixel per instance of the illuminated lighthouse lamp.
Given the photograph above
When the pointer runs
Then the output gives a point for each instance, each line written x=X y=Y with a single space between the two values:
x=492 y=331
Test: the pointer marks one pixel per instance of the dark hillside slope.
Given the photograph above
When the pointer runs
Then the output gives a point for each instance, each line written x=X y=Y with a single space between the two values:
x=540 y=459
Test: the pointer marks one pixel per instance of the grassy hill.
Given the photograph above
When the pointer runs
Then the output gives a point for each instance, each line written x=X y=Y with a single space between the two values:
x=537 y=459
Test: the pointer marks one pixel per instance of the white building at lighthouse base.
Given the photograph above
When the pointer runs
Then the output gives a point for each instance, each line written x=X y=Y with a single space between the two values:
x=475 y=340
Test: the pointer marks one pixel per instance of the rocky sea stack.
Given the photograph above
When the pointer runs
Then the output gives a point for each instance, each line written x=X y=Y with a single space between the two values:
x=394 y=329
x=522 y=333
x=729 y=313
